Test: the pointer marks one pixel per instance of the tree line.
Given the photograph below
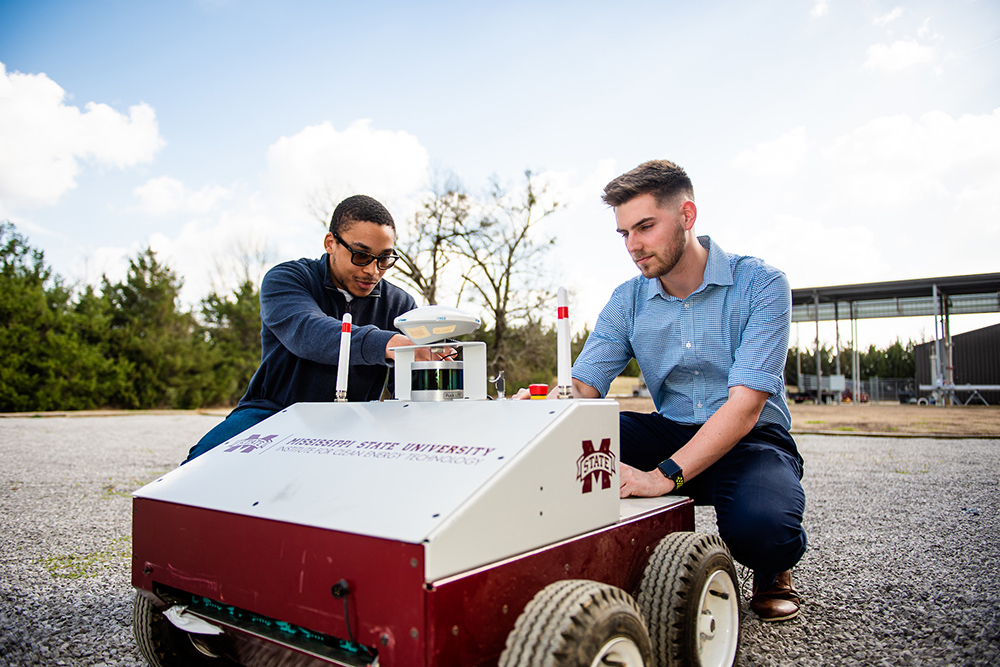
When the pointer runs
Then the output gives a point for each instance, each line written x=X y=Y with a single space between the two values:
x=126 y=344
x=895 y=361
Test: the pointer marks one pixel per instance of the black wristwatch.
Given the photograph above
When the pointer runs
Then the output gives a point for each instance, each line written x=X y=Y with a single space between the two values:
x=673 y=472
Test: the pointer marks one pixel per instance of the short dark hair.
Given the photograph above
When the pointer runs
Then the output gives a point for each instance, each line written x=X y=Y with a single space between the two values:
x=360 y=208
x=661 y=178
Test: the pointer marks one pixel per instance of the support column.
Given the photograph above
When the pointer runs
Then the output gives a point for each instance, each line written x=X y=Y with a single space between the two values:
x=938 y=359
x=819 y=361
x=855 y=354
x=836 y=326
x=799 y=380
x=949 y=361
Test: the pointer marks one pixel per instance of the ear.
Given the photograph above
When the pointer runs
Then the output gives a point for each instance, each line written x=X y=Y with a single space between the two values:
x=329 y=243
x=690 y=213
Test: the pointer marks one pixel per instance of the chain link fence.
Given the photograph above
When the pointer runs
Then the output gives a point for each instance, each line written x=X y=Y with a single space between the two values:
x=873 y=390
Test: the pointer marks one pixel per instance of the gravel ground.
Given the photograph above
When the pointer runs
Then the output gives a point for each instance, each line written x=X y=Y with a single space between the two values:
x=903 y=566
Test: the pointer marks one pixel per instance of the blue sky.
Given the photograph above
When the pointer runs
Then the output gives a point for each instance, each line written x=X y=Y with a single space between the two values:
x=841 y=141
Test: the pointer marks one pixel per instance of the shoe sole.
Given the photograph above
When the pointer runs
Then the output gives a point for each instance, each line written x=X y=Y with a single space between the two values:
x=777 y=618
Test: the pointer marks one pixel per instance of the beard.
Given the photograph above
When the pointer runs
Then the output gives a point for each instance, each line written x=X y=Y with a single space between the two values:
x=664 y=260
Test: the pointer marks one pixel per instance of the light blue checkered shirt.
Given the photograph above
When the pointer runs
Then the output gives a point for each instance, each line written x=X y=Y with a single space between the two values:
x=733 y=330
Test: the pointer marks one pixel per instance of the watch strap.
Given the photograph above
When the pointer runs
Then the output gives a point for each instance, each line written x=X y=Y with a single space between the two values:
x=673 y=472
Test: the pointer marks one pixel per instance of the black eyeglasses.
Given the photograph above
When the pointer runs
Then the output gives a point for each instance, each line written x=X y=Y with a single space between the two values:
x=362 y=258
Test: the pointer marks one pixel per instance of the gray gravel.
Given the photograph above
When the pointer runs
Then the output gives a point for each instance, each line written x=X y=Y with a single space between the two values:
x=903 y=566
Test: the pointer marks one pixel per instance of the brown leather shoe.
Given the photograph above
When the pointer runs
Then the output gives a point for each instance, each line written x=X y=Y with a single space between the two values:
x=778 y=603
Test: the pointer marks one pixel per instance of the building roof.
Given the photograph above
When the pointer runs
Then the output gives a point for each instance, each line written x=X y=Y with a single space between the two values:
x=977 y=293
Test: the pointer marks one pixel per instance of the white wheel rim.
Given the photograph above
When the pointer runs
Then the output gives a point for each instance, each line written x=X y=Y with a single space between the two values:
x=619 y=651
x=718 y=621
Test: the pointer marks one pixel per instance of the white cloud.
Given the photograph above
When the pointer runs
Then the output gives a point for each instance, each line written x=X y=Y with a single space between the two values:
x=801 y=248
x=205 y=230
x=898 y=197
x=44 y=140
x=888 y=18
x=925 y=31
x=110 y=262
x=165 y=195
x=204 y=249
x=780 y=158
x=906 y=160
x=901 y=54
x=820 y=8
x=321 y=162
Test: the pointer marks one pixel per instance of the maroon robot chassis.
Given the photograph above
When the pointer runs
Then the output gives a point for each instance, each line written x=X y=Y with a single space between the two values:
x=412 y=533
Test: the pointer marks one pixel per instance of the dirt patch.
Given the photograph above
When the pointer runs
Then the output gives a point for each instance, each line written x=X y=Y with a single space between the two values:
x=971 y=420
x=885 y=418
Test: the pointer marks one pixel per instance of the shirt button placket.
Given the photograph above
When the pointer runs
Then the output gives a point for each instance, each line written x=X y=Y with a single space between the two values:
x=697 y=386
x=687 y=331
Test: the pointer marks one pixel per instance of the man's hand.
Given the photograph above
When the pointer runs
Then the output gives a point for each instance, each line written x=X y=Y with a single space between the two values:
x=641 y=484
x=420 y=354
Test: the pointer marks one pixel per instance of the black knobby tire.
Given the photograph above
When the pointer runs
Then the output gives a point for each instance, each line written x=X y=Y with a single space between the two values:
x=577 y=623
x=690 y=601
x=162 y=644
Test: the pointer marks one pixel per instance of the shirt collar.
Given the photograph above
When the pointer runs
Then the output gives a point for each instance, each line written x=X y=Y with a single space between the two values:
x=718 y=271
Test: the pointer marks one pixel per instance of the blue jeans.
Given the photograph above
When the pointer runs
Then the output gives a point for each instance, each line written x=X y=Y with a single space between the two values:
x=755 y=488
x=237 y=422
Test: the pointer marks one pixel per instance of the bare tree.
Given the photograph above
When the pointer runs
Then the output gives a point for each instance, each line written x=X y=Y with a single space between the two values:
x=424 y=244
x=489 y=249
x=444 y=216
x=246 y=261
x=324 y=200
x=504 y=251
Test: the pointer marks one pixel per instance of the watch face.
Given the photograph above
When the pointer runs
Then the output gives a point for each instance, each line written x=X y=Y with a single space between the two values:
x=670 y=469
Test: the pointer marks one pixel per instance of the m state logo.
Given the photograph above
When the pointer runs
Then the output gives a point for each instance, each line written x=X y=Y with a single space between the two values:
x=595 y=464
x=253 y=443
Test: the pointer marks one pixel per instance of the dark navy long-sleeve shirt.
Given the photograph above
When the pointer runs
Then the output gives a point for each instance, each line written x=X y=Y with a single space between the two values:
x=301 y=313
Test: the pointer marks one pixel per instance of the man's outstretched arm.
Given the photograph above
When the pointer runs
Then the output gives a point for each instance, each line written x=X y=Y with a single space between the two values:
x=721 y=432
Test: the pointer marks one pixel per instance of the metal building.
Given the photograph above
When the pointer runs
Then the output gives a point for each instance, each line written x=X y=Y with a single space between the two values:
x=975 y=360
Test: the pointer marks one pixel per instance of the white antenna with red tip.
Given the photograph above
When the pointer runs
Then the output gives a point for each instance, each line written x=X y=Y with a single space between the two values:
x=564 y=364
x=343 y=364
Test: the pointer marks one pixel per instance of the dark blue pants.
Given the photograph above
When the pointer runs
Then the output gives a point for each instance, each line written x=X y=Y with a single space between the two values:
x=755 y=487
x=237 y=422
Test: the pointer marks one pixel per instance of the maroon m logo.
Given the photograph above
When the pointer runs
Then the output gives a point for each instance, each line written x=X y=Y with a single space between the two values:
x=248 y=445
x=595 y=464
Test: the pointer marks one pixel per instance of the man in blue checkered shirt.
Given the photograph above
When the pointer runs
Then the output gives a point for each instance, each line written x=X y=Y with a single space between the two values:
x=709 y=330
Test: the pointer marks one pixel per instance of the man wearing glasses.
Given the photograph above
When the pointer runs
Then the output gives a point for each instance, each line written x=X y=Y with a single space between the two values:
x=302 y=304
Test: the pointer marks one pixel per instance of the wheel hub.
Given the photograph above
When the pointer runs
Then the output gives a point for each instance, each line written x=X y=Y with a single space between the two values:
x=706 y=625
x=718 y=621
x=619 y=652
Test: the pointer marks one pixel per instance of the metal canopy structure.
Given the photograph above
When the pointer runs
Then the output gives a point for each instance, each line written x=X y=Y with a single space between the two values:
x=979 y=293
x=939 y=297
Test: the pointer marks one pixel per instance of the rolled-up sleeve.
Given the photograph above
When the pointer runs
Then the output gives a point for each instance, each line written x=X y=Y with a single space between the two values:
x=759 y=359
